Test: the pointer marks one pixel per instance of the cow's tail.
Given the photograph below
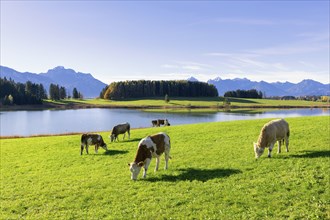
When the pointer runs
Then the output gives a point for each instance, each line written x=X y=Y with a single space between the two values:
x=128 y=127
x=83 y=137
x=82 y=143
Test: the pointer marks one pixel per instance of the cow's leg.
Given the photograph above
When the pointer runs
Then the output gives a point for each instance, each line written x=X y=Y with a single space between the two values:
x=124 y=136
x=287 y=143
x=129 y=134
x=167 y=156
x=279 y=146
x=81 y=149
x=87 y=148
x=146 y=165
x=157 y=163
x=96 y=148
x=270 y=149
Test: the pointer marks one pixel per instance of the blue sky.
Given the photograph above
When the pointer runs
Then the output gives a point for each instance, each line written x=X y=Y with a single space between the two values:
x=113 y=40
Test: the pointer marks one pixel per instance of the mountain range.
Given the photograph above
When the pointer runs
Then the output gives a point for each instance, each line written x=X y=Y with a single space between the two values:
x=306 y=87
x=90 y=87
x=85 y=83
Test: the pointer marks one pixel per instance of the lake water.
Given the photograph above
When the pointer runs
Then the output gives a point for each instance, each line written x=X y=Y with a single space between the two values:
x=26 y=123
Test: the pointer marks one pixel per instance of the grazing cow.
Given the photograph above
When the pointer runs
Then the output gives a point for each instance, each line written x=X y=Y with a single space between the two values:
x=120 y=129
x=92 y=139
x=275 y=130
x=150 y=146
x=154 y=123
x=159 y=122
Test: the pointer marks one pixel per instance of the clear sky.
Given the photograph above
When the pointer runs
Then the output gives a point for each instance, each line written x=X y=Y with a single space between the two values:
x=113 y=40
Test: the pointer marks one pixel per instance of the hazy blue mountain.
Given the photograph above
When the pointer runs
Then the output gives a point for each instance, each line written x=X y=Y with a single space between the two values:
x=22 y=77
x=192 y=79
x=84 y=82
x=304 y=88
x=310 y=87
x=283 y=86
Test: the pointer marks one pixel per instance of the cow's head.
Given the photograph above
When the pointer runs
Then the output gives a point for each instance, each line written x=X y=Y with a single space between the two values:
x=258 y=151
x=104 y=146
x=135 y=169
x=167 y=123
x=112 y=137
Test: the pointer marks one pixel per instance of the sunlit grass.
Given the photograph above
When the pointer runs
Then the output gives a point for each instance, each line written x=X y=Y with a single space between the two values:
x=212 y=175
x=209 y=110
x=178 y=102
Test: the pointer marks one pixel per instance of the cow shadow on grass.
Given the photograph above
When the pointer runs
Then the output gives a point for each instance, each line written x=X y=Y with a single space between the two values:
x=112 y=153
x=192 y=174
x=126 y=140
x=312 y=154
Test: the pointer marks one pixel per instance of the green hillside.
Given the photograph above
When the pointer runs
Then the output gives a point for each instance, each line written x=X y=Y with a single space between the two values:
x=212 y=175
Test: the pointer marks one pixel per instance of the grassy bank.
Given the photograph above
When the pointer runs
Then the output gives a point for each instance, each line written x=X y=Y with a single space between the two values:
x=197 y=102
x=175 y=103
x=213 y=174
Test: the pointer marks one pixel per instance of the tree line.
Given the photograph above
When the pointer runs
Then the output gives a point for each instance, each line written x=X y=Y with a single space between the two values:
x=147 y=88
x=21 y=93
x=57 y=92
x=252 y=93
x=12 y=92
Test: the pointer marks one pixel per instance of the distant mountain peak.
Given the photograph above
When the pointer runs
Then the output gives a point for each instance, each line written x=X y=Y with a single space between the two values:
x=217 y=78
x=241 y=79
x=192 y=79
x=59 y=68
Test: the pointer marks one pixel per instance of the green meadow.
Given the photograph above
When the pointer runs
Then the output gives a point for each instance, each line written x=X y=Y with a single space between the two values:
x=184 y=102
x=212 y=175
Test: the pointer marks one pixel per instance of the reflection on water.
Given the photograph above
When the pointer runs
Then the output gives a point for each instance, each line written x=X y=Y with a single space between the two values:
x=25 y=123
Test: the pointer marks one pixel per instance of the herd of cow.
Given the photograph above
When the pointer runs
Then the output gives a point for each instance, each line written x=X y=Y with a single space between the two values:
x=149 y=147
x=155 y=145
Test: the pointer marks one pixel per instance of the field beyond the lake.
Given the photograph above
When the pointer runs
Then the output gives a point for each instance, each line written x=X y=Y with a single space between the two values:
x=213 y=174
x=174 y=103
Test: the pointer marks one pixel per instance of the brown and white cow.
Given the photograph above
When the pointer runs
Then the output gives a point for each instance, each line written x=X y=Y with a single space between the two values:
x=154 y=123
x=159 y=122
x=92 y=139
x=120 y=129
x=149 y=147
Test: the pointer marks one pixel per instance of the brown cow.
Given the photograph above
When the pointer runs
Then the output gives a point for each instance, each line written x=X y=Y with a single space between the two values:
x=92 y=139
x=120 y=129
x=151 y=146
x=275 y=130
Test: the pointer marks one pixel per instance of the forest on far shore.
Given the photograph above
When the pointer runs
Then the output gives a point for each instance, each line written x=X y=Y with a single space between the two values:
x=21 y=93
x=15 y=93
x=148 y=88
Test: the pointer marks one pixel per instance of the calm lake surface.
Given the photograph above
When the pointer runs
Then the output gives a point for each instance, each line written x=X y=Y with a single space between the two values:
x=26 y=123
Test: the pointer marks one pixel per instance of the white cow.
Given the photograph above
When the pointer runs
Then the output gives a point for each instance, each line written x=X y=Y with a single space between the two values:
x=275 y=130
x=150 y=146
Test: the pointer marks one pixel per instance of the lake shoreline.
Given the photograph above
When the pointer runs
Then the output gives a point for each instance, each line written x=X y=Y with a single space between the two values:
x=75 y=105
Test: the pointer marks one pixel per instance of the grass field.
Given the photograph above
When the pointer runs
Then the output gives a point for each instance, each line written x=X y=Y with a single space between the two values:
x=191 y=102
x=212 y=175
x=175 y=103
